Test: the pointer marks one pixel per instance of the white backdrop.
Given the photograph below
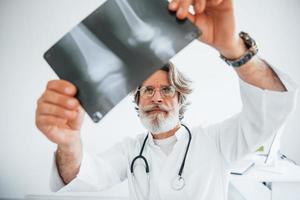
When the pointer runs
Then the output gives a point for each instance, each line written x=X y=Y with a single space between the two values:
x=29 y=28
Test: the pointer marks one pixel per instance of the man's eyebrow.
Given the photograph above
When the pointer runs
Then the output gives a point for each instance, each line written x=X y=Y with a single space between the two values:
x=164 y=85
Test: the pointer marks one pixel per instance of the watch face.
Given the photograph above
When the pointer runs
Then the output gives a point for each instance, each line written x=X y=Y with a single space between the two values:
x=249 y=42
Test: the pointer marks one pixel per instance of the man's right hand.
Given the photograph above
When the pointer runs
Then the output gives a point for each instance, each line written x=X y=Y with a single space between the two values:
x=59 y=115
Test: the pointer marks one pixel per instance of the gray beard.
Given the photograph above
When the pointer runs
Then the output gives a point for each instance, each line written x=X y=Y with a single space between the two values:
x=158 y=123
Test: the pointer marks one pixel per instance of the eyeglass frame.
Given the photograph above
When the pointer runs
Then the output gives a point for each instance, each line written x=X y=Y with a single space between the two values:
x=155 y=90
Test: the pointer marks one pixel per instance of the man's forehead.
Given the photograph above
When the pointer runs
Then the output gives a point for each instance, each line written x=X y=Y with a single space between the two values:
x=158 y=78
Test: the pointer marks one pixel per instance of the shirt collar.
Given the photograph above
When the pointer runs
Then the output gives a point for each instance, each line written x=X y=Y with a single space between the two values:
x=180 y=134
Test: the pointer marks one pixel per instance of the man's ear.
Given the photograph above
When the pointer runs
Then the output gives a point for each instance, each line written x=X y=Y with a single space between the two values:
x=180 y=116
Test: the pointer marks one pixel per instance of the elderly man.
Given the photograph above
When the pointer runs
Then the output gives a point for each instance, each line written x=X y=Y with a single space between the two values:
x=171 y=161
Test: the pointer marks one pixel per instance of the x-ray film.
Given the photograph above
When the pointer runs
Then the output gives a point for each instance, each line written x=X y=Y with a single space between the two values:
x=116 y=48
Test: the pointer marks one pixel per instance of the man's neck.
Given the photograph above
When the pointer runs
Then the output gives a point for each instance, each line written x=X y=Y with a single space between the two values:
x=163 y=135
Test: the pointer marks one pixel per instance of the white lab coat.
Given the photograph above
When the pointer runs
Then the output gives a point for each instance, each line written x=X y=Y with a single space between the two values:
x=207 y=164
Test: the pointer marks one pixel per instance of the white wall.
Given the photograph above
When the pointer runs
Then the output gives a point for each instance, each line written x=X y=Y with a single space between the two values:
x=28 y=28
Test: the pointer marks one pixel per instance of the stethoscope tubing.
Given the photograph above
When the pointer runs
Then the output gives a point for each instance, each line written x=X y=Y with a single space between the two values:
x=140 y=156
x=186 y=151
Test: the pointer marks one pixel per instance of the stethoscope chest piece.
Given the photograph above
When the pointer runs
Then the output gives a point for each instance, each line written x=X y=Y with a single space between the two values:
x=178 y=183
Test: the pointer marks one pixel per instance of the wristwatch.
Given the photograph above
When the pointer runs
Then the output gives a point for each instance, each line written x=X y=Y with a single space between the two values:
x=252 y=51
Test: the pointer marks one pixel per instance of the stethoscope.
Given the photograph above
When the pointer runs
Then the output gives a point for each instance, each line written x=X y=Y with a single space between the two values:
x=178 y=183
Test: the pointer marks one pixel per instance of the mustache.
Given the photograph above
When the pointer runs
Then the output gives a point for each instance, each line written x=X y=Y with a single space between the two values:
x=149 y=108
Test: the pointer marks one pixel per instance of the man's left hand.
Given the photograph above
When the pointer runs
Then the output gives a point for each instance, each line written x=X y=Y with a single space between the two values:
x=215 y=18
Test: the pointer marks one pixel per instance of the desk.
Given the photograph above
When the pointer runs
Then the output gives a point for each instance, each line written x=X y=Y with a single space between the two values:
x=283 y=186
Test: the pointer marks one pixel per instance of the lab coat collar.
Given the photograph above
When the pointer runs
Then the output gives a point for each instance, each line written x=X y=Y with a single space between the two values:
x=180 y=134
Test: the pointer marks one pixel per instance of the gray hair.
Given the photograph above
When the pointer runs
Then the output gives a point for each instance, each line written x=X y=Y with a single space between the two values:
x=179 y=81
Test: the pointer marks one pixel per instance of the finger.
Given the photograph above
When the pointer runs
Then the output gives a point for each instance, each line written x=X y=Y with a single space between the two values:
x=54 y=110
x=183 y=9
x=199 y=6
x=173 y=5
x=59 y=99
x=214 y=2
x=45 y=121
x=62 y=86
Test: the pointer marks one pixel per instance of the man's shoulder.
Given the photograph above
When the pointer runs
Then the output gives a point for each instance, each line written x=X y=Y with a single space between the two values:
x=201 y=131
x=197 y=130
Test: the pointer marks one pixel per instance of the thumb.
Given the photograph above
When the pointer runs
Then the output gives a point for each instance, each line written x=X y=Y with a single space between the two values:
x=191 y=17
x=76 y=123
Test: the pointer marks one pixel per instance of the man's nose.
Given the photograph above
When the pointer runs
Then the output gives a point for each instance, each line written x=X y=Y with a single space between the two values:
x=157 y=98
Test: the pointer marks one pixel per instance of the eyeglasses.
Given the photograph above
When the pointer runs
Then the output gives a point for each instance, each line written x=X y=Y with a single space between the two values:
x=165 y=91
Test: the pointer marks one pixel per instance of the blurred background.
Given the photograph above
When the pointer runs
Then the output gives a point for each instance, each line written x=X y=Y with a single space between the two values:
x=29 y=28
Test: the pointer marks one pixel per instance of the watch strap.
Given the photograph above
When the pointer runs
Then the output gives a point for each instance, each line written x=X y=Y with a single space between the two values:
x=251 y=51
